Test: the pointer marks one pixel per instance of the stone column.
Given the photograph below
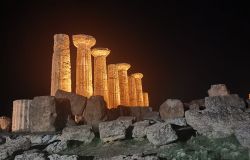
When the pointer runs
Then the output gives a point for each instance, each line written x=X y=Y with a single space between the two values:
x=139 y=93
x=145 y=99
x=100 y=72
x=61 y=67
x=123 y=82
x=132 y=91
x=84 y=84
x=20 y=115
x=113 y=86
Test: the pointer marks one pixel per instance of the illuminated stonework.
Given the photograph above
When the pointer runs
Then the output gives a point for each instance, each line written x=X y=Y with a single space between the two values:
x=113 y=86
x=20 y=115
x=123 y=82
x=84 y=43
x=139 y=93
x=132 y=91
x=100 y=72
x=61 y=67
x=145 y=99
x=5 y=124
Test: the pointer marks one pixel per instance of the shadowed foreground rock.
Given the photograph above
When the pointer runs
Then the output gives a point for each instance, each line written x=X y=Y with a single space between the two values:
x=171 y=108
x=14 y=145
x=139 y=130
x=77 y=102
x=160 y=134
x=95 y=111
x=48 y=114
x=81 y=133
x=220 y=118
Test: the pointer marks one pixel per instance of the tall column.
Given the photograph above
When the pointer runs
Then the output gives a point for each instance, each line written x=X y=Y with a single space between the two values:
x=113 y=86
x=145 y=99
x=100 y=72
x=61 y=68
x=123 y=82
x=20 y=115
x=139 y=93
x=84 y=84
x=132 y=91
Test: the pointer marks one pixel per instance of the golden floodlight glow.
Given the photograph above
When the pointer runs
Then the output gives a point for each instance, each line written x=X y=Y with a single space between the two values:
x=132 y=91
x=145 y=99
x=84 y=43
x=113 y=86
x=138 y=83
x=100 y=72
x=61 y=67
x=123 y=82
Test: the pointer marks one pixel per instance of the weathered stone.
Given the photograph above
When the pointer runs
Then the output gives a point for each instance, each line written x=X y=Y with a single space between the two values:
x=145 y=99
x=5 y=124
x=20 y=115
x=171 y=108
x=123 y=83
x=48 y=114
x=100 y=73
x=95 y=111
x=176 y=121
x=197 y=104
x=126 y=120
x=133 y=157
x=112 y=130
x=160 y=134
x=216 y=103
x=61 y=67
x=31 y=155
x=137 y=112
x=39 y=139
x=63 y=157
x=139 y=91
x=84 y=85
x=77 y=102
x=242 y=133
x=80 y=133
x=114 y=88
x=132 y=91
x=11 y=146
x=56 y=147
x=2 y=140
x=218 y=90
x=155 y=116
x=221 y=116
x=139 y=130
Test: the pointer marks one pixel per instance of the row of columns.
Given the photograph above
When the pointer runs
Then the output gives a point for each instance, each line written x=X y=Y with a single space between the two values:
x=112 y=81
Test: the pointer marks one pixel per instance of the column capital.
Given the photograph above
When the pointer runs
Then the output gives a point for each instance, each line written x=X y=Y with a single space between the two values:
x=96 y=52
x=123 y=66
x=81 y=40
x=137 y=75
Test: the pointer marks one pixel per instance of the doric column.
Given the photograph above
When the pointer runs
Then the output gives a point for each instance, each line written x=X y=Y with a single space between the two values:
x=20 y=115
x=145 y=99
x=84 y=84
x=123 y=82
x=132 y=91
x=61 y=68
x=113 y=86
x=139 y=93
x=100 y=72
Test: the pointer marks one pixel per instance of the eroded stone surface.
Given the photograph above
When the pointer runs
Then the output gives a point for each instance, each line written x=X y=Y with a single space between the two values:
x=82 y=133
x=139 y=130
x=171 y=108
x=160 y=134
x=218 y=90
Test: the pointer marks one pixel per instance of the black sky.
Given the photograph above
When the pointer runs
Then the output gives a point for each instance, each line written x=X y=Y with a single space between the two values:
x=181 y=47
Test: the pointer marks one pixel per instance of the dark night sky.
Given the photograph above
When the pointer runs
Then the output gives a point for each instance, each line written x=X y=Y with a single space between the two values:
x=181 y=47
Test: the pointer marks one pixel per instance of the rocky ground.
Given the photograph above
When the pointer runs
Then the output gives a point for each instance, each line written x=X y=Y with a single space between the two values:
x=216 y=127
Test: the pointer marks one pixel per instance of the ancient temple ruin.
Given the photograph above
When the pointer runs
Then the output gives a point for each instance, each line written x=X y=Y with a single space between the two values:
x=108 y=80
